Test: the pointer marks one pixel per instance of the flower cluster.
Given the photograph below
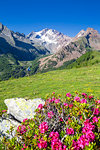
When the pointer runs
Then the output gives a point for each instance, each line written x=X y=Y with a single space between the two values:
x=56 y=143
x=42 y=143
x=43 y=127
x=70 y=131
x=87 y=137
x=50 y=114
x=71 y=123
x=40 y=106
x=21 y=129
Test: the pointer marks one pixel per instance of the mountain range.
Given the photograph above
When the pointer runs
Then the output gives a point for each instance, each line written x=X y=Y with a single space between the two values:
x=84 y=41
x=43 y=50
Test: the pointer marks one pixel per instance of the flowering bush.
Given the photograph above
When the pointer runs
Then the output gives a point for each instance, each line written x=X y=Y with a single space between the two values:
x=72 y=123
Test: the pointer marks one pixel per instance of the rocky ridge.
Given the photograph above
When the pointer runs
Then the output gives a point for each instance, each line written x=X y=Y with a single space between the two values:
x=18 y=45
x=82 y=42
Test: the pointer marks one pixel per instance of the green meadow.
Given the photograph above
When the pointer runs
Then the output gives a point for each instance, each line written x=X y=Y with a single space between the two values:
x=84 y=79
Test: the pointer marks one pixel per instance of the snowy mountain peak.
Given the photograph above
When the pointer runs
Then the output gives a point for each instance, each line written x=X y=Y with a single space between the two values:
x=50 y=39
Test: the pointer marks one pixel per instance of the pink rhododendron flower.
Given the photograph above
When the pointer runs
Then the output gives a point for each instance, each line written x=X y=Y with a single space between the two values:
x=43 y=127
x=70 y=105
x=42 y=144
x=64 y=147
x=90 y=96
x=86 y=121
x=65 y=104
x=82 y=141
x=60 y=119
x=54 y=135
x=96 y=111
x=50 y=114
x=90 y=136
x=98 y=101
x=70 y=131
x=84 y=94
x=25 y=120
x=77 y=99
x=68 y=94
x=21 y=129
x=40 y=106
x=57 y=101
x=50 y=100
x=4 y=110
x=95 y=119
x=83 y=101
x=88 y=126
x=53 y=93
x=56 y=144
x=53 y=99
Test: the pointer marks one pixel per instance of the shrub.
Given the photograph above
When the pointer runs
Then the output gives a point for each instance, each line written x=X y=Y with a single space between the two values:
x=72 y=123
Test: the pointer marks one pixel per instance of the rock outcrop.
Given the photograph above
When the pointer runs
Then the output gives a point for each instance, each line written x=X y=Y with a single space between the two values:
x=18 y=110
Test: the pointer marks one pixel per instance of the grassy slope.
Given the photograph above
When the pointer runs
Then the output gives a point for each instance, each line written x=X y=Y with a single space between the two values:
x=86 y=79
x=88 y=59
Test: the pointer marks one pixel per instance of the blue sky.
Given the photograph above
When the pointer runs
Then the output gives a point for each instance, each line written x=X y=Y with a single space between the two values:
x=66 y=16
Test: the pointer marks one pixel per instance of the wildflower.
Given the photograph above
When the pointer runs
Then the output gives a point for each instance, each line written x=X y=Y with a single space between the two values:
x=54 y=135
x=77 y=99
x=70 y=131
x=70 y=105
x=43 y=127
x=56 y=144
x=40 y=106
x=82 y=141
x=96 y=111
x=88 y=126
x=90 y=136
x=68 y=94
x=98 y=101
x=50 y=114
x=84 y=94
x=90 y=96
x=25 y=120
x=95 y=119
x=57 y=101
x=60 y=119
x=42 y=144
x=65 y=104
x=75 y=145
x=83 y=101
x=53 y=92
x=4 y=110
x=21 y=129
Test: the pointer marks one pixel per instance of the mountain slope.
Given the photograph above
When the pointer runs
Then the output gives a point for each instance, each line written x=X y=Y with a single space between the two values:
x=50 y=39
x=18 y=45
x=83 y=42
x=88 y=59
x=85 y=79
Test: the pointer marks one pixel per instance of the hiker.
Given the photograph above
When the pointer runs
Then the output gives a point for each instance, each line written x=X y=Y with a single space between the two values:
x=28 y=70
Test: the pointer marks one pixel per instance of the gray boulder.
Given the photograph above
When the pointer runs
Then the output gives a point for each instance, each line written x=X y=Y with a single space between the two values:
x=5 y=126
x=21 y=108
